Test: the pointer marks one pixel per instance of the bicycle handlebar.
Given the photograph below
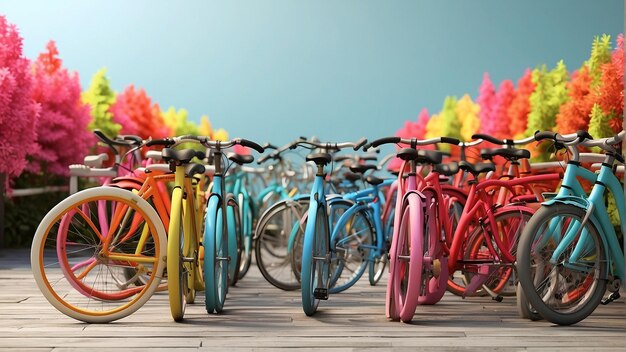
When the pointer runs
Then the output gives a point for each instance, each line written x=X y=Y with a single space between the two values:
x=412 y=141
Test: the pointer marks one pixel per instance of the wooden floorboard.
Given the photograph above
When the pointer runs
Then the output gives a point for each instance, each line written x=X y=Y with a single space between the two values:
x=259 y=317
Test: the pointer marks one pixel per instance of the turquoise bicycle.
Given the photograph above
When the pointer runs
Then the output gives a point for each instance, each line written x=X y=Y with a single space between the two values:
x=317 y=253
x=569 y=253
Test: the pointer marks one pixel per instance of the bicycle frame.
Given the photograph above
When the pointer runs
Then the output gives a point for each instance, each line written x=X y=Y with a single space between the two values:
x=595 y=212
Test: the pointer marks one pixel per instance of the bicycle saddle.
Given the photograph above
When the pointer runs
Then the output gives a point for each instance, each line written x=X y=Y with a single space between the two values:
x=476 y=169
x=351 y=176
x=359 y=169
x=240 y=159
x=508 y=153
x=447 y=169
x=319 y=158
x=194 y=169
x=182 y=156
x=373 y=180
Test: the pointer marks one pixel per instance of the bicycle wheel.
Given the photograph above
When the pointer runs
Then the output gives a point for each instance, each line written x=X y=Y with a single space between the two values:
x=276 y=243
x=410 y=257
x=215 y=257
x=524 y=308
x=246 y=216
x=177 y=271
x=566 y=289
x=378 y=264
x=83 y=277
x=235 y=239
x=315 y=265
x=509 y=224
x=353 y=239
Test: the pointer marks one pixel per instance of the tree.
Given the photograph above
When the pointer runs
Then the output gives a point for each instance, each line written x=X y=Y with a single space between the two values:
x=545 y=101
x=178 y=123
x=467 y=112
x=486 y=100
x=574 y=114
x=599 y=124
x=64 y=138
x=18 y=112
x=100 y=97
x=205 y=128
x=433 y=127
x=422 y=121
x=500 y=126
x=520 y=106
x=142 y=117
x=609 y=94
x=450 y=124
x=600 y=54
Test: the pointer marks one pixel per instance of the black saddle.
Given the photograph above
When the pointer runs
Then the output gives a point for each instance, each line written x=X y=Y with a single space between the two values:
x=359 y=169
x=373 y=180
x=476 y=169
x=240 y=159
x=319 y=158
x=508 y=153
x=194 y=169
x=447 y=169
x=182 y=156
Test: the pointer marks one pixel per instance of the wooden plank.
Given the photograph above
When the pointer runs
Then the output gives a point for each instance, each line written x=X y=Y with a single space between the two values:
x=258 y=317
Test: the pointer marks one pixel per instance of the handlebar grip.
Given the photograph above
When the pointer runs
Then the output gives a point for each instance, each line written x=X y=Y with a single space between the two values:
x=360 y=143
x=164 y=141
x=450 y=140
x=341 y=157
x=132 y=138
x=250 y=144
x=491 y=139
x=385 y=140
x=582 y=135
x=269 y=146
x=539 y=136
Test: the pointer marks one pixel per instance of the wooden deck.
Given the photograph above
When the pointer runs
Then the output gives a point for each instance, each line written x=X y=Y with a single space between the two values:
x=259 y=317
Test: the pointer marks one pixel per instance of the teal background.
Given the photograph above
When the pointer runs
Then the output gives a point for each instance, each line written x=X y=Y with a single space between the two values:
x=274 y=70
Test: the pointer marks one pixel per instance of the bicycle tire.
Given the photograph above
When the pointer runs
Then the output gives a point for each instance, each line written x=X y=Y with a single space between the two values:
x=215 y=256
x=315 y=271
x=546 y=285
x=272 y=243
x=176 y=271
x=64 y=256
x=352 y=244
x=235 y=238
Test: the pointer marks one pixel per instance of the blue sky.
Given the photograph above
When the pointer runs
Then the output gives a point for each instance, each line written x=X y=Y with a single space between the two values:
x=274 y=70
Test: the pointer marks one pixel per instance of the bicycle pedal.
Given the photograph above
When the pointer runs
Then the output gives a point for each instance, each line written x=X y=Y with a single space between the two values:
x=612 y=297
x=320 y=293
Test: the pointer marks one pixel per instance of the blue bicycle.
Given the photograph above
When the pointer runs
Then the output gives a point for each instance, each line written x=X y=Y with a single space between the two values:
x=317 y=253
x=569 y=251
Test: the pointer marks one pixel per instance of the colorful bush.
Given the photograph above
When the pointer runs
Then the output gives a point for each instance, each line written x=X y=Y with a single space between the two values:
x=100 y=97
x=134 y=110
x=63 y=137
x=19 y=114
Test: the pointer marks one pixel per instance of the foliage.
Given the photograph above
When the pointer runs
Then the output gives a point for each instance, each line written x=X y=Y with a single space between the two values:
x=450 y=124
x=467 y=112
x=610 y=93
x=100 y=97
x=599 y=124
x=205 y=128
x=63 y=138
x=574 y=114
x=500 y=120
x=486 y=100
x=433 y=127
x=178 y=123
x=18 y=112
x=600 y=54
x=520 y=106
x=134 y=110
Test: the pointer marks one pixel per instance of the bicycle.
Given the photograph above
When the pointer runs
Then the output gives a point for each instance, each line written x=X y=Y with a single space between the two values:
x=317 y=252
x=569 y=253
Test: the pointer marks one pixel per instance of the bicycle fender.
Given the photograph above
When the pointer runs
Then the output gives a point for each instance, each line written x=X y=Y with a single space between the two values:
x=576 y=201
x=420 y=194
